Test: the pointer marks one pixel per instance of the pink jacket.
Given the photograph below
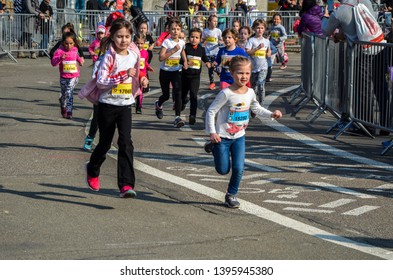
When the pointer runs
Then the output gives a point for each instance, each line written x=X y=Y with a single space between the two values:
x=69 y=66
x=144 y=62
x=107 y=77
x=94 y=49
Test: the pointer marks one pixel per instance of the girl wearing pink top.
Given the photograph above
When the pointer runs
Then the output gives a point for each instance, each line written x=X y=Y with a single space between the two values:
x=94 y=48
x=139 y=41
x=67 y=58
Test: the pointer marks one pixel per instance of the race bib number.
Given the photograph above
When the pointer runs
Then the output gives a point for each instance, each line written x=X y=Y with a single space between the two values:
x=142 y=63
x=211 y=40
x=194 y=62
x=260 y=53
x=70 y=67
x=122 y=90
x=275 y=34
x=146 y=46
x=172 y=62
x=238 y=117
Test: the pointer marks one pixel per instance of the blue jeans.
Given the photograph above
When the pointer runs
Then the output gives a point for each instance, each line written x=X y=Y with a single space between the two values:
x=258 y=80
x=226 y=151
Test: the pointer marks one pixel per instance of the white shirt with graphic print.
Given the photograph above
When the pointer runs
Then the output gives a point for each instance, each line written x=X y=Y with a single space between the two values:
x=233 y=113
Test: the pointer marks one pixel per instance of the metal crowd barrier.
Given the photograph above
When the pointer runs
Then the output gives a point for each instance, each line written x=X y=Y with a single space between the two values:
x=354 y=84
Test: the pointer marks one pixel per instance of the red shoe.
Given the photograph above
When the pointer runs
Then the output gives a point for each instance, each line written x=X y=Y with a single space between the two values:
x=127 y=192
x=93 y=182
x=212 y=86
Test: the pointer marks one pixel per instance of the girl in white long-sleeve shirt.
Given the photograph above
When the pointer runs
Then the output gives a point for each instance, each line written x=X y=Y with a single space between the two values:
x=227 y=132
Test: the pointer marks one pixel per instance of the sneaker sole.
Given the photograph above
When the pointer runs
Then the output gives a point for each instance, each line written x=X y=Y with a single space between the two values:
x=179 y=125
x=128 y=194
x=230 y=206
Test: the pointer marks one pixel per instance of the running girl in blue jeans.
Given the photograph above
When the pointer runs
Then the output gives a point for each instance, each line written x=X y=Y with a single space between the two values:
x=227 y=134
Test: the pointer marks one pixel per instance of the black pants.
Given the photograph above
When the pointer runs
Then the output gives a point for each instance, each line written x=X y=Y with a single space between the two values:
x=190 y=84
x=110 y=117
x=94 y=124
x=166 y=78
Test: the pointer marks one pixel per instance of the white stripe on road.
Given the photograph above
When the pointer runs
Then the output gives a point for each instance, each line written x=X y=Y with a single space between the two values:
x=308 y=210
x=361 y=210
x=341 y=190
x=337 y=203
x=287 y=202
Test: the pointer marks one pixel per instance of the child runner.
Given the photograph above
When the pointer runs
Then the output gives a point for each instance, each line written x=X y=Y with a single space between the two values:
x=67 y=58
x=211 y=38
x=94 y=48
x=258 y=48
x=117 y=80
x=236 y=24
x=68 y=27
x=102 y=50
x=227 y=133
x=139 y=40
x=191 y=77
x=149 y=42
x=225 y=55
x=278 y=35
x=244 y=34
x=172 y=49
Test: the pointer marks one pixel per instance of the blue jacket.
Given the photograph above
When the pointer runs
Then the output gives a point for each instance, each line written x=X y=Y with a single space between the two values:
x=311 y=21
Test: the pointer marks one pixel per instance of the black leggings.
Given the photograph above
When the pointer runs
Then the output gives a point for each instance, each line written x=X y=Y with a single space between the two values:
x=166 y=78
x=191 y=84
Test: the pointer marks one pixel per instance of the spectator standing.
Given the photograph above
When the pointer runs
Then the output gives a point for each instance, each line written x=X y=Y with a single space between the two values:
x=92 y=6
x=46 y=23
x=222 y=11
x=32 y=8
x=310 y=18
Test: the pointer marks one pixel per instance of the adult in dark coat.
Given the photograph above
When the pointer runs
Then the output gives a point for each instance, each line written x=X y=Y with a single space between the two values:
x=32 y=7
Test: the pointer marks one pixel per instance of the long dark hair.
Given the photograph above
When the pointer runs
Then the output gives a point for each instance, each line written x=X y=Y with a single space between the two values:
x=71 y=35
x=307 y=5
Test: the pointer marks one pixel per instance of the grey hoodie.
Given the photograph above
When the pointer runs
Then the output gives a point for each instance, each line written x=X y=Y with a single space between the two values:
x=342 y=18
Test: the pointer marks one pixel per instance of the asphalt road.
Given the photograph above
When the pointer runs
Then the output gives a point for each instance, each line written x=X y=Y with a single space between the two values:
x=303 y=196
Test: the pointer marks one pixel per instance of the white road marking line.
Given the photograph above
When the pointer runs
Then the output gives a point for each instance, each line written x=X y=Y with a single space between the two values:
x=287 y=202
x=254 y=176
x=261 y=166
x=215 y=180
x=265 y=181
x=308 y=210
x=341 y=190
x=361 y=210
x=337 y=203
x=382 y=188
x=204 y=175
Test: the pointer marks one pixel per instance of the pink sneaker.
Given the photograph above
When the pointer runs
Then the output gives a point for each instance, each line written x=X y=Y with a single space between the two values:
x=93 y=182
x=127 y=192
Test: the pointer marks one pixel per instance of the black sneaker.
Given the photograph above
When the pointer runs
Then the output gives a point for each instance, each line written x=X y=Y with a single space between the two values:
x=178 y=122
x=231 y=201
x=191 y=120
x=209 y=147
x=159 y=112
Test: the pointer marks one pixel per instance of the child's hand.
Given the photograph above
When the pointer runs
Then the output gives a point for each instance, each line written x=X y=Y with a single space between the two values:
x=276 y=114
x=208 y=64
x=260 y=46
x=144 y=82
x=215 y=138
x=150 y=69
x=82 y=61
x=185 y=65
x=176 y=48
x=131 y=72
x=64 y=56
